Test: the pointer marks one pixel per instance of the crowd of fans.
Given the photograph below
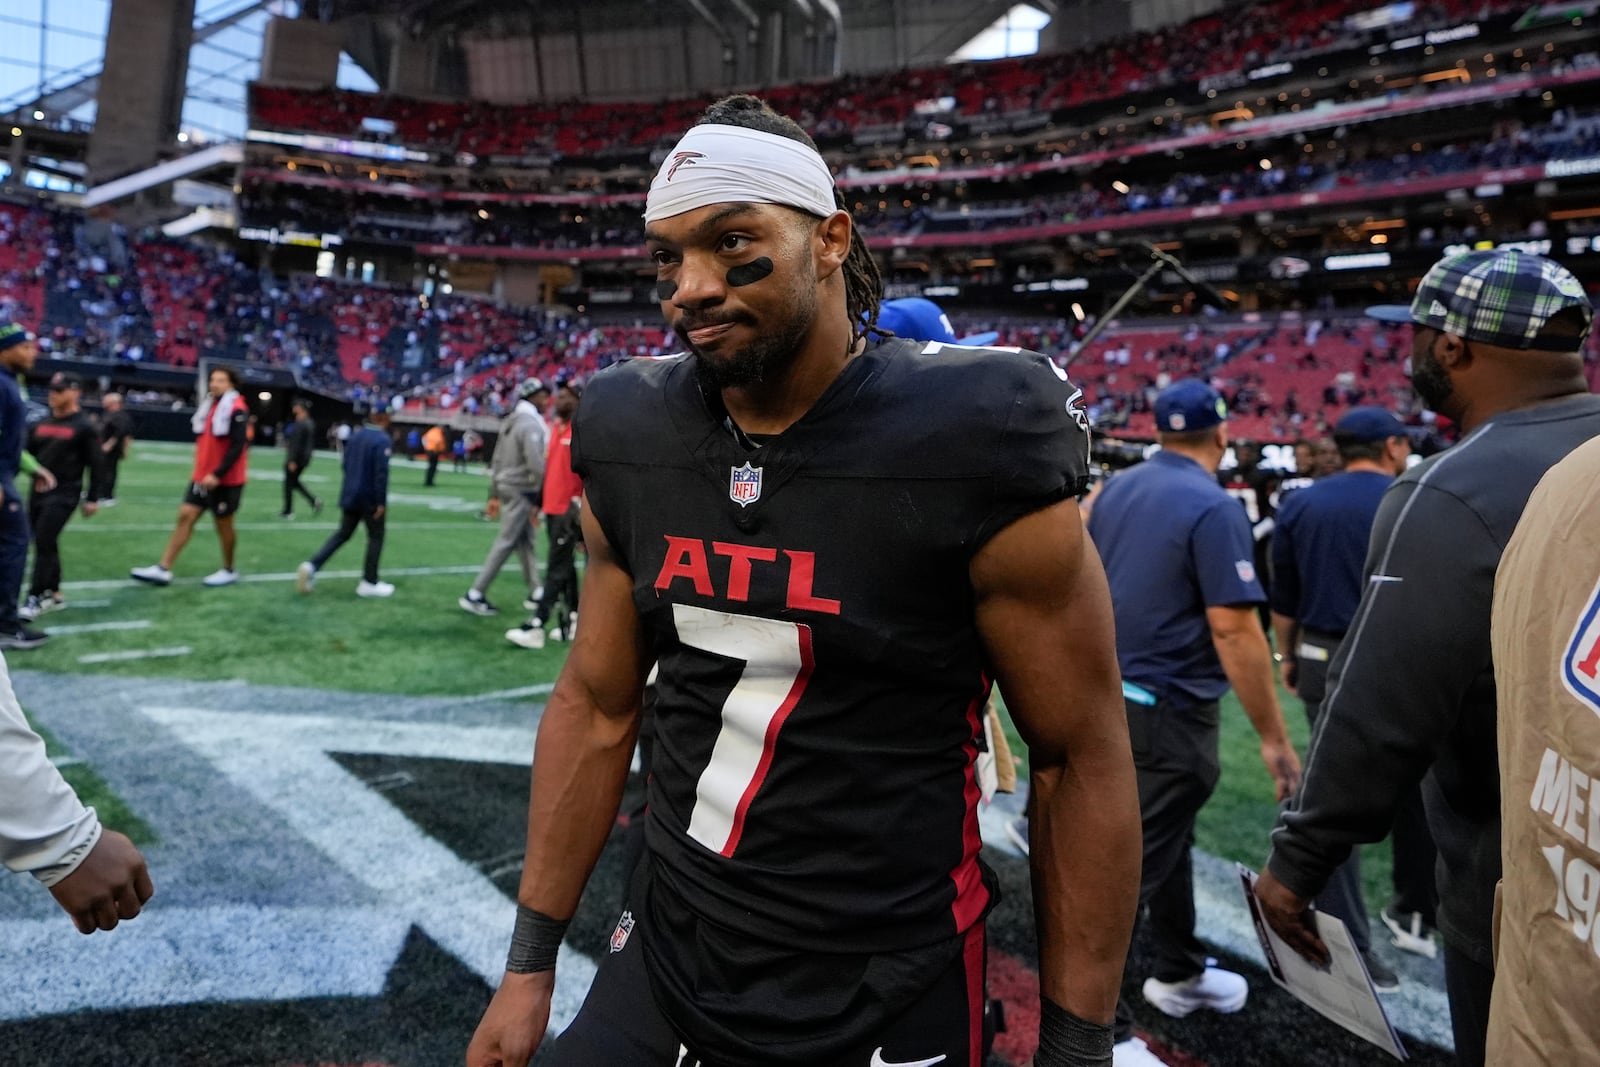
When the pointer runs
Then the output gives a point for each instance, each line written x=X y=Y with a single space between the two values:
x=854 y=106
x=916 y=210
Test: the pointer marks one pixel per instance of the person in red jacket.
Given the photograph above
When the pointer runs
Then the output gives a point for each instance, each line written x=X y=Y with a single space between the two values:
x=563 y=492
x=222 y=439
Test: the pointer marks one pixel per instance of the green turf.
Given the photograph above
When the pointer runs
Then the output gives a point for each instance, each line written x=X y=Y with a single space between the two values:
x=94 y=792
x=418 y=642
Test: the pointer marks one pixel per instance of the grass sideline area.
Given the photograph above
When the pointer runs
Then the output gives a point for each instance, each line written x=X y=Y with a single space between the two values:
x=416 y=643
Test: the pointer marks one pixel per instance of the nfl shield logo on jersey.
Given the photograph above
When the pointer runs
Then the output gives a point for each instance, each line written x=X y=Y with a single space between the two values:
x=744 y=487
x=619 y=936
x=1580 y=667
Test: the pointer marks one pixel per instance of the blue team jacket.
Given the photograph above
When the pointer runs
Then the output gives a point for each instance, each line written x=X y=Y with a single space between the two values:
x=366 y=469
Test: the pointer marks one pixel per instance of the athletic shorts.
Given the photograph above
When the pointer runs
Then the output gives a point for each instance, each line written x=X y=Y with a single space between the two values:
x=622 y=1021
x=221 y=501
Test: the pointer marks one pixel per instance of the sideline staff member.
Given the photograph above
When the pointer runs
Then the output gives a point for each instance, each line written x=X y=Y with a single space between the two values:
x=1546 y=633
x=1497 y=348
x=1318 y=550
x=1179 y=558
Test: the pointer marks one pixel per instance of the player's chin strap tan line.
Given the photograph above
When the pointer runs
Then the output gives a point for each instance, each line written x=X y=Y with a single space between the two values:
x=715 y=164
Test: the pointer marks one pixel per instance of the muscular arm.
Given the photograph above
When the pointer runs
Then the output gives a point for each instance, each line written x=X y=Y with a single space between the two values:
x=1044 y=615
x=586 y=738
x=1247 y=661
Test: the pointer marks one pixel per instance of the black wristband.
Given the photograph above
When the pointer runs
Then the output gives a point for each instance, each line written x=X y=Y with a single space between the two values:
x=535 y=941
x=1068 y=1041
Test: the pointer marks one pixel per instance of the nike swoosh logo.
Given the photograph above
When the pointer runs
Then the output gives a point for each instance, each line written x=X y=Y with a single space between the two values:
x=879 y=1061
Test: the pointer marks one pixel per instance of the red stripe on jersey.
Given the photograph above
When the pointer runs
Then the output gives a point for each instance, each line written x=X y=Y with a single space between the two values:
x=972 y=896
x=771 y=739
x=973 y=961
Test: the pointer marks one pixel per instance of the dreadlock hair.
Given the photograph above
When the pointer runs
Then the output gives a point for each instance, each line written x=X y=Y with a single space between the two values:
x=863 y=285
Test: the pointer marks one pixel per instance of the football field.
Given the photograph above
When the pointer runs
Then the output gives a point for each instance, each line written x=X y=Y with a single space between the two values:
x=331 y=792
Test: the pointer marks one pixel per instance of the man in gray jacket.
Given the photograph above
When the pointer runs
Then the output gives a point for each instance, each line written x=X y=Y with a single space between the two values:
x=517 y=473
x=1497 y=347
x=96 y=875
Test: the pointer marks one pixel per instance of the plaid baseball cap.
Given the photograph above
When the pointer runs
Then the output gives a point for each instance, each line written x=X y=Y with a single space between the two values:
x=1189 y=405
x=1499 y=297
x=531 y=387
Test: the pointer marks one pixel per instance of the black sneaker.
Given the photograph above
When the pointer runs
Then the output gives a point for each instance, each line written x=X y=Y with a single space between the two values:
x=476 y=603
x=1384 y=980
x=22 y=637
x=316 y=506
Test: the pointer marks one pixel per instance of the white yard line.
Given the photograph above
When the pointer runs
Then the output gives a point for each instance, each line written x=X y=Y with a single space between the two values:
x=100 y=627
x=135 y=653
x=281 y=526
x=509 y=694
x=89 y=604
x=286 y=576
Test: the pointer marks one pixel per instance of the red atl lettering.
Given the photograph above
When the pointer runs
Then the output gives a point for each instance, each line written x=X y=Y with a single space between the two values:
x=802 y=566
x=686 y=558
x=739 y=559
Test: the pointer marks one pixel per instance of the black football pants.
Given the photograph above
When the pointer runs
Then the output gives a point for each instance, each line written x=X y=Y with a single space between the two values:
x=48 y=514
x=349 y=519
x=291 y=485
x=561 y=570
x=1175 y=754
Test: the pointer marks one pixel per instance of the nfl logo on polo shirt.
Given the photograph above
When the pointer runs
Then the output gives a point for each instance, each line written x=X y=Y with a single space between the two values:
x=744 y=485
x=619 y=936
x=1580 y=667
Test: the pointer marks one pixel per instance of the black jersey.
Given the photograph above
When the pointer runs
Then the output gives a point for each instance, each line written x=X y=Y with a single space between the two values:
x=68 y=446
x=809 y=604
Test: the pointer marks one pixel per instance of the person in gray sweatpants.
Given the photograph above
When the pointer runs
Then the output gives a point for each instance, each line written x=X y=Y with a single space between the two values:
x=517 y=474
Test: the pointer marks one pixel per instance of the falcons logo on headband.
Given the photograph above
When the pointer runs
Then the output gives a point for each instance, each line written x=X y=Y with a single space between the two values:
x=680 y=159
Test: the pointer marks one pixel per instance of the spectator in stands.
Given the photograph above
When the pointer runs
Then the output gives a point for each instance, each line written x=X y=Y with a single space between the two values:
x=221 y=456
x=1318 y=548
x=560 y=499
x=517 y=479
x=1546 y=648
x=116 y=435
x=299 y=445
x=1178 y=554
x=17 y=354
x=1496 y=348
x=363 y=498
x=67 y=445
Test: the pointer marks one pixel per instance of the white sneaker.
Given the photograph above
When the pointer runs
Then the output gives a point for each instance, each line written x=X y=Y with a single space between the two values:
x=378 y=589
x=526 y=637
x=1134 y=1053
x=222 y=577
x=1216 y=989
x=305 y=577
x=155 y=574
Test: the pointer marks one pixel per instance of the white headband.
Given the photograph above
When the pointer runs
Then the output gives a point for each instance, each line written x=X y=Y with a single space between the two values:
x=714 y=164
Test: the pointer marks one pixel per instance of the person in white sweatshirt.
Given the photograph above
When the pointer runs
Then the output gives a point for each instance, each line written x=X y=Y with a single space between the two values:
x=96 y=875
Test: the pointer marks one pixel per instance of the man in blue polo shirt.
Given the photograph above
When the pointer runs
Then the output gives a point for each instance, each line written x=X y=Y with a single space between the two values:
x=1179 y=558
x=1318 y=550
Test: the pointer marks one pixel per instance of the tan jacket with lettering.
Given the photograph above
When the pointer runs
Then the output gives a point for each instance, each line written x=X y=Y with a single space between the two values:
x=1546 y=628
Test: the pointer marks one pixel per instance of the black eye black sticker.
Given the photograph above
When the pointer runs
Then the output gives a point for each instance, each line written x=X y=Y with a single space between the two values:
x=666 y=290
x=749 y=273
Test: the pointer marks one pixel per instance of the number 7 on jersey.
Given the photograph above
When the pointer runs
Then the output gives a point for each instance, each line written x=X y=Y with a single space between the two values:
x=777 y=665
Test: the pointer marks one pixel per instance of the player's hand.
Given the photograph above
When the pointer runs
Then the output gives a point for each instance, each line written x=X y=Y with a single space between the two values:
x=492 y=508
x=1283 y=763
x=1290 y=916
x=43 y=481
x=89 y=508
x=377 y=512
x=510 y=1031
x=110 y=884
x=210 y=482
x=1289 y=671
x=293 y=468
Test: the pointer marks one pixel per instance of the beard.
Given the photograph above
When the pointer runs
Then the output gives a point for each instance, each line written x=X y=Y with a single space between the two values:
x=767 y=357
x=1431 y=382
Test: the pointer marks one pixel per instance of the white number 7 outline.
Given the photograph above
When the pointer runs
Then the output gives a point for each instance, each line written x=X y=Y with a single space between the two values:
x=777 y=667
